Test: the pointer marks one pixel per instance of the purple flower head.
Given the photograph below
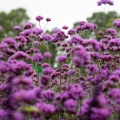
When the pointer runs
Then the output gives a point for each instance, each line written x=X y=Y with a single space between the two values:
x=92 y=69
x=47 y=37
x=47 y=55
x=64 y=95
x=100 y=2
x=37 y=31
x=58 y=35
x=61 y=58
x=81 y=56
x=37 y=57
x=48 y=70
x=114 y=42
x=101 y=100
x=24 y=95
x=46 y=108
x=78 y=62
x=84 y=108
x=114 y=93
x=3 y=114
x=23 y=80
x=48 y=19
x=4 y=67
x=81 y=23
x=21 y=39
x=48 y=94
x=19 y=96
x=100 y=113
x=18 y=66
x=91 y=26
x=39 y=18
x=25 y=32
x=71 y=31
x=45 y=65
x=9 y=41
x=75 y=40
x=17 y=28
x=18 y=116
x=44 y=80
x=65 y=27
x=28 y=25
x=100 y=32
x=36 y=43
x=116 y=23
x=71 y=72
x=70 y=105
x=112 y=31
x=20 y=55
x=75 y=91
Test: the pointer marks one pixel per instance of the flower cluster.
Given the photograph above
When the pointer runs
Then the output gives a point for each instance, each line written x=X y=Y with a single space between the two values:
x=83 y=85
x=100 y=2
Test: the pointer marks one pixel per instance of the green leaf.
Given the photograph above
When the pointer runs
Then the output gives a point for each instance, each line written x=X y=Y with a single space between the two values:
x=31 y=109
x=37 y=69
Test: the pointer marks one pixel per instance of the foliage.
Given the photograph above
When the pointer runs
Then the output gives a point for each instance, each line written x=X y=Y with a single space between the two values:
x=9 y=20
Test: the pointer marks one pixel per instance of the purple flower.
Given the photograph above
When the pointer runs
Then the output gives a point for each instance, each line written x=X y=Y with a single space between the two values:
x=37 y=31
x=71 y=32
x=37 y=57
x=81 y=56
x=65 y=27
x=3 y=113
x=61 y=58
x=116 y=23
x=48 y=19
x=39 y=18
x=28 y=25
x=47 y=71
x=92 y=69
x=70 y=105
x=36 y=43
x=47 y=55
x=75 y=91
x=112 y=31
x=64 y=95
x=46 y=108
x=58 y=35
x=47 y=37
x=4 y=67
x=45 y=65
x=17 y=28
x=9 y=41
x=81 y=23
x=100 y=32
x=100 y=2
x=18 y=67
x=71 y=72
x=48 y=94
x=100 y=113
x=26 y=32
x=91 y=26
x=22 y=80
x=75 y=40
x=44 y=80
x=20 y=55
x=114 y=93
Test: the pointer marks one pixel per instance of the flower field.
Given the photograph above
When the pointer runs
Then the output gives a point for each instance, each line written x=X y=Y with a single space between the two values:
x=83 y=83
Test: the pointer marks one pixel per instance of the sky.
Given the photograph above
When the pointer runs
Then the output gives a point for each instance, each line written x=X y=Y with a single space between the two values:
x=62 y=12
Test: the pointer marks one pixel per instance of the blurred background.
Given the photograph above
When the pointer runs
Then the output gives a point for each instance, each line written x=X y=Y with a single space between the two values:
x=62 y=12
